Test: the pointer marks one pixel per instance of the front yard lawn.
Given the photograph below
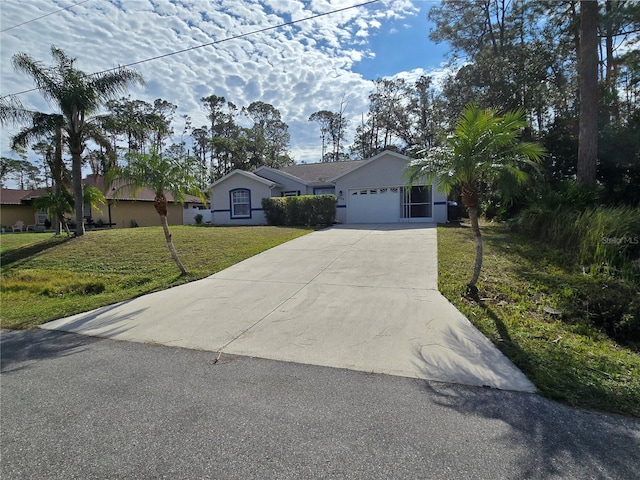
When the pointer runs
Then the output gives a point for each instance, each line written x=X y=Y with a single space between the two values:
x=43 y=277
x=522 y=285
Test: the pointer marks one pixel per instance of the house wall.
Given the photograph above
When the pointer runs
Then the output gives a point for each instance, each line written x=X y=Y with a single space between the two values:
x=221 y=201
x=385 y=171
x=439 y=206
x=10 y=214
x=144 y=213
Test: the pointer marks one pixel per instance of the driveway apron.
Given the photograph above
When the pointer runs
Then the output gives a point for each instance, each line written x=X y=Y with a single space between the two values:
x=360 y=297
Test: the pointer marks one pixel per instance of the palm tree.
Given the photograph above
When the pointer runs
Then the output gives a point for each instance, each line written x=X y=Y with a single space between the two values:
x=58 y=202
x=485 y=149
x=77 y=96
x=161 y=174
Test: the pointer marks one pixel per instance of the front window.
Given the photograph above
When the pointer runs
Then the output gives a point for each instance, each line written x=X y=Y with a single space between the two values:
x=241 y=203
x=324 y=191
x=41 y=217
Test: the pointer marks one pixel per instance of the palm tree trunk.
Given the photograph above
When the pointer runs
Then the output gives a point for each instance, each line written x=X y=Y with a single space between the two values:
x=473 y=217
x=172 y=249
x=78 y=204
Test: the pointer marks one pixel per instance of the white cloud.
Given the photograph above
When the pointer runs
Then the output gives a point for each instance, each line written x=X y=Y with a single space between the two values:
x=299 y=69
x=438 y=75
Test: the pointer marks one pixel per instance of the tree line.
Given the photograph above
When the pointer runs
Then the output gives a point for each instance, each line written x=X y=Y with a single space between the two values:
x=572 y=67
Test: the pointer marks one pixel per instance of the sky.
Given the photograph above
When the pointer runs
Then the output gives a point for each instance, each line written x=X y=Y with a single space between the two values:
x=299 y=69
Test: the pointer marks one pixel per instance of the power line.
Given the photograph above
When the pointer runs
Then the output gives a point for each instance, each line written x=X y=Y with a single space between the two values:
x=216 y=42
x=241 y=35
x=45 y=15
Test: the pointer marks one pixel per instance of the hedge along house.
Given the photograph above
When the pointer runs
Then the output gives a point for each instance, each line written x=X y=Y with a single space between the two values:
x=368 y=191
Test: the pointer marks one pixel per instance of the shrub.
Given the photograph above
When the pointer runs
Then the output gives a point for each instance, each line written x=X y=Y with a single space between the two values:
x=612 y=306
x=198 y=218
x=305 y=210
x=275 y=210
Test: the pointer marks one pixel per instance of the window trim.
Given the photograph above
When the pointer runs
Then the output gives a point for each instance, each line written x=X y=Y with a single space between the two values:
x=320 y=189
x=232 y=204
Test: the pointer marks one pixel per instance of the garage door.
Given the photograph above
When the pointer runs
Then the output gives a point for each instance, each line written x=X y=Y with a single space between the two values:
x=374 y=205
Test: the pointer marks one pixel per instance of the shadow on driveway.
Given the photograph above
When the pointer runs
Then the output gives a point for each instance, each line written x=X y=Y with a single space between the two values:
x=554 y=435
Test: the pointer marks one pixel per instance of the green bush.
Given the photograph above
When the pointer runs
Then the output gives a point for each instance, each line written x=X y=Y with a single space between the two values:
x=303 y=210
x=611 y=305
x=275 y=210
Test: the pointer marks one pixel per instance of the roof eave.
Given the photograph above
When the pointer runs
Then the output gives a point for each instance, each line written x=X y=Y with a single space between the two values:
x=281 y=172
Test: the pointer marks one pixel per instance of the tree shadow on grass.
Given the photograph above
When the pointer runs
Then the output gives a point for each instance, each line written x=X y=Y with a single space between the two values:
x=24 y=253
x=604 y=303
x=559 y=373
x=555 y=437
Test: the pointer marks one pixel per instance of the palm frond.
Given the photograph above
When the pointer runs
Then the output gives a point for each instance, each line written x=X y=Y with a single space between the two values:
x=43 y=125
x=158 y=173
x=485 y=148
x=113 y=83
x=12 y=111
x=43 y=77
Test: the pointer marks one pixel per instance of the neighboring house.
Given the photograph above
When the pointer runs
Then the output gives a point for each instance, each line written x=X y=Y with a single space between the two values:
x=17 y=205
x=368 y=191
x=123 y=211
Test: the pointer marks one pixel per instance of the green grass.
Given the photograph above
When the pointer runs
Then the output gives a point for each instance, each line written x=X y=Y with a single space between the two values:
x=45 y=277
x=563 y=355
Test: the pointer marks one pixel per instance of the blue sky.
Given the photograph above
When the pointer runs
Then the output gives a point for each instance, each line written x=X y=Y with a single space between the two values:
x=299 y=69
x=403 y=45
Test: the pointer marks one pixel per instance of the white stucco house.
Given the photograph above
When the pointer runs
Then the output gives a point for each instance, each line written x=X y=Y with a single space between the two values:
x=368 y=191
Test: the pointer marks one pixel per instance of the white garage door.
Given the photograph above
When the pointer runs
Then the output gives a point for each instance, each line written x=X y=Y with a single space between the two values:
x=374 y=205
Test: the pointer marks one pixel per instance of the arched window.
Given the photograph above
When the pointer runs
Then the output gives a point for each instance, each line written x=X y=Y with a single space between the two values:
x=240 y=200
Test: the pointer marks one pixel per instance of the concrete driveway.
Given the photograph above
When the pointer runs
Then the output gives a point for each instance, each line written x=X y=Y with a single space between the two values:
x=357 y=297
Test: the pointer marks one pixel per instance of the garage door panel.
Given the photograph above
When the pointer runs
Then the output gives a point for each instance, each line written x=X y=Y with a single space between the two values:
x=374 y=205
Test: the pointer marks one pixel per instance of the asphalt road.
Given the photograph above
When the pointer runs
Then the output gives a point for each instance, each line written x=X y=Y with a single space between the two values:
x=80 y=407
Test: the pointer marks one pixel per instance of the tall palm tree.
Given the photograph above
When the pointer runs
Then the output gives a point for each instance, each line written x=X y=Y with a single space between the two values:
x=161 y=174
x=77 y=96
x=485 y=149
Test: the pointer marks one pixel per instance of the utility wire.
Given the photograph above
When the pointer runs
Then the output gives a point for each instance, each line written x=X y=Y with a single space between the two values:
x=216 y=42
x=241 y=35
x=45 y=15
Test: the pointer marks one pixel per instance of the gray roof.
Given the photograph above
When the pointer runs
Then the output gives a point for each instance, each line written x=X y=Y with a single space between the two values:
x=320 y=172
